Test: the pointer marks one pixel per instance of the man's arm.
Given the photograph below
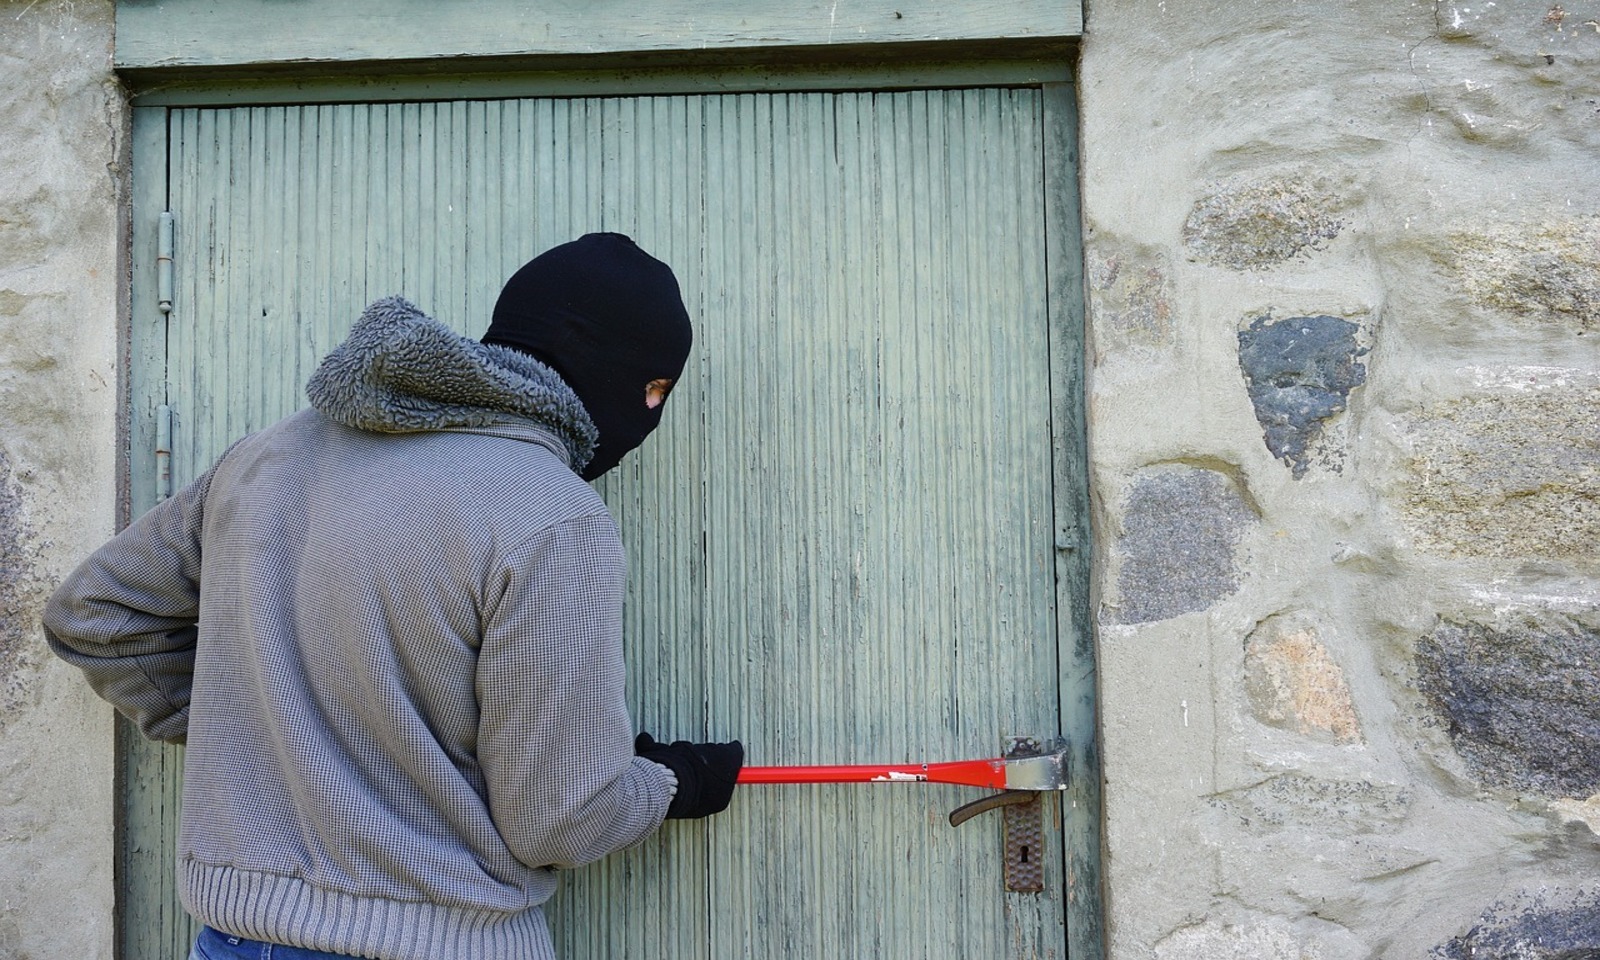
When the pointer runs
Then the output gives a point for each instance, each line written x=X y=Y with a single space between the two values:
x=127 y=616
x=555 y=740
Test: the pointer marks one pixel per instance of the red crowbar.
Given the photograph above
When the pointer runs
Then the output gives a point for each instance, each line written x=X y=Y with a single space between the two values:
x=1045 y=771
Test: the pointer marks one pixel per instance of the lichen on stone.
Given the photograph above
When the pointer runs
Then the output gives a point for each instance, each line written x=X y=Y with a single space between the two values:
x=20 y=592
x=1261 y=223
x=1549 y=270
x=1293 y=683
x=1511 y=475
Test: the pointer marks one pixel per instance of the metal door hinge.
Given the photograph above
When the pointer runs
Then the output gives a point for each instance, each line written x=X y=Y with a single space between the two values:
x=163 y=452
x=164 y=264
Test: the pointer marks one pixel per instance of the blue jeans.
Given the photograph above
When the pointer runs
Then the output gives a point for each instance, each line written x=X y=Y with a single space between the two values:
x=216 y=945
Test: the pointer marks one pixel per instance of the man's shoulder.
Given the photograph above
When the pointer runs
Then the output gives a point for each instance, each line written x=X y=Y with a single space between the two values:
x=502 y=476
x=523 y=482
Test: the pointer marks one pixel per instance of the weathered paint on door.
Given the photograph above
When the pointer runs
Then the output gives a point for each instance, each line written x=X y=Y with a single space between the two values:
x=844 y=542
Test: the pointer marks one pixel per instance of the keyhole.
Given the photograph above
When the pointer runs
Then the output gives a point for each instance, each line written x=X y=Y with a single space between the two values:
x=1024 y=854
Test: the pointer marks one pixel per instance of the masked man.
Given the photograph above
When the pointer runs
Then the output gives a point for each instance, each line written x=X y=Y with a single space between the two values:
x=389 y=629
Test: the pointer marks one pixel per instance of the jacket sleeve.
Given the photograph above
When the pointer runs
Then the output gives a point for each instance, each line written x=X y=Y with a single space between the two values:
x=555 y=740
x=127 y=615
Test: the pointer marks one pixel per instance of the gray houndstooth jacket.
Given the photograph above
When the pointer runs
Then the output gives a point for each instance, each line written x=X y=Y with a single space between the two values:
x=389 y=629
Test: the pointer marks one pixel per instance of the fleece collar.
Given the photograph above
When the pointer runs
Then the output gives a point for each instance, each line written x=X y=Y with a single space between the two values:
x=401 y=371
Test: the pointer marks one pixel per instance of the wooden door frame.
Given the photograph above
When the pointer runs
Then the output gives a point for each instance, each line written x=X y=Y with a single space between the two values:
x=145 y=346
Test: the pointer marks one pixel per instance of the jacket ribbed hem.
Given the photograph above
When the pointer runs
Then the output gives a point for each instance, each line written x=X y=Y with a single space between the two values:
x=292 y=912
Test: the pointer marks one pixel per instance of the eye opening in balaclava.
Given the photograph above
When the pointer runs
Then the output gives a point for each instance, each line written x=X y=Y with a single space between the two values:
x=609 y=318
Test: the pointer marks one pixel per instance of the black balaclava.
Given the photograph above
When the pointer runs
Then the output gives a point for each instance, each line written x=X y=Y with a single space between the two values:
x=607 y=317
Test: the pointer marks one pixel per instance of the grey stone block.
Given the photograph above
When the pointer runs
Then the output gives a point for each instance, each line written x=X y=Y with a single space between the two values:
x=1181 y=531
x=1299 y=372
x=1532 y=928
x=1297 y=802
x=1519 y=700
x=1259 y=938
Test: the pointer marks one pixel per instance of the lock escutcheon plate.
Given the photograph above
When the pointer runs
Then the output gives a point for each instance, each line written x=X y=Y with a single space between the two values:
x=1024 y=830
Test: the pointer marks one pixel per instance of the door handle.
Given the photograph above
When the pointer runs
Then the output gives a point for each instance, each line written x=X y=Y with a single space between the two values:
x=994 y=801
x=1029 y=767
x=1022 y=829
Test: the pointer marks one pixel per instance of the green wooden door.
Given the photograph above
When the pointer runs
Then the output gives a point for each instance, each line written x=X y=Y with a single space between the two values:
x=854 y=539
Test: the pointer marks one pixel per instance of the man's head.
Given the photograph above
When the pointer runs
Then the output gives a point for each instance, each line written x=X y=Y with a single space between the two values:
x=609 y=318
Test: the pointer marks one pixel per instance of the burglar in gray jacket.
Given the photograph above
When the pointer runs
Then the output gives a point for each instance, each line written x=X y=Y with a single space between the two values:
x=389 y=629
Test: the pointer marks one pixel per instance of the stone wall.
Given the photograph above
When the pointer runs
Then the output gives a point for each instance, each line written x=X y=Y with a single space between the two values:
x=1344 y=300
x=62 y=181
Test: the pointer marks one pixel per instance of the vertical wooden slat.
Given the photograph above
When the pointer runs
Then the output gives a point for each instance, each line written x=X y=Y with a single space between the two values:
x=537 y=186
x=306 y=249
x=1070 y=460
x=150 y=923
x=841 y=542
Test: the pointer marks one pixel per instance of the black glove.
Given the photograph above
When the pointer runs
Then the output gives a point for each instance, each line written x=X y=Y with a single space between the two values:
x=706 y=773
